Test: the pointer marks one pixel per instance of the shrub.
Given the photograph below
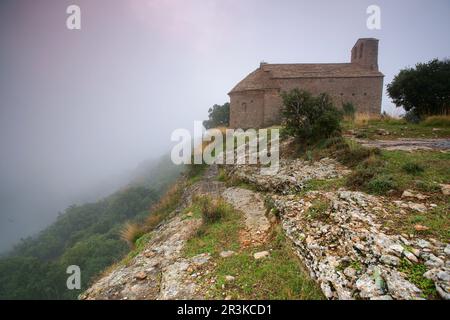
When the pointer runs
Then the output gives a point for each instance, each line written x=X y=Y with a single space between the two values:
x=381 y=184
x=412 y=168
x=412 y=117
x=310 y=118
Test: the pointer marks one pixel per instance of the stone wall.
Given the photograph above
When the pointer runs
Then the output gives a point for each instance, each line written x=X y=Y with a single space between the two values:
x=247 y=109
x=261 y=108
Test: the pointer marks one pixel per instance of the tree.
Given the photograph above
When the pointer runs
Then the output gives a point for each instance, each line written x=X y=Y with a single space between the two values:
x=219 y=116
x=310 y=118
x=424 y=90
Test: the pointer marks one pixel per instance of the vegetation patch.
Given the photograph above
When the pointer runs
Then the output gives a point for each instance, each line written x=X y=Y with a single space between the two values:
x=279 y=276
x=393 y=128
x=413 y=168
x=381 y=184
x=319 y=209
x=216 y=235
x=436 y=221
x=414 y=273
x=323 y=184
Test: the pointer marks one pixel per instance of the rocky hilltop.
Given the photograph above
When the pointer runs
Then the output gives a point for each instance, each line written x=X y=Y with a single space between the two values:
x=341 y=237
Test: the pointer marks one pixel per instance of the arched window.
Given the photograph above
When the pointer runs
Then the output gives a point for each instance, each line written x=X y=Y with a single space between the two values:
x=244 y=106
x=361 y=48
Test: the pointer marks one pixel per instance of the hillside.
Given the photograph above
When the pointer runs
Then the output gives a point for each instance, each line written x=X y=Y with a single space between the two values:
x=339 y=222
x=86 y=235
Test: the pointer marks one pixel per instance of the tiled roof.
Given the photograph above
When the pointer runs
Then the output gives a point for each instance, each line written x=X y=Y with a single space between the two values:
x=265 y=77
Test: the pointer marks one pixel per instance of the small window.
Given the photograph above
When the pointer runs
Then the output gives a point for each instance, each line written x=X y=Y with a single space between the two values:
x=353 y=94
x=342 y=94
x=244 y=106
x=361 y=48
x=365 y=93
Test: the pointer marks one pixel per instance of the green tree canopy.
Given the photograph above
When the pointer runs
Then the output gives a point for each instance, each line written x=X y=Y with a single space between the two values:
x=425 y=89
x=218 y=116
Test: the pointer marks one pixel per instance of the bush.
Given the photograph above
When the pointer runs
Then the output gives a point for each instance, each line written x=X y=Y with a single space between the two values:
x=381 y=184
x=412 y=168
x=412 y=117
x=310 y=118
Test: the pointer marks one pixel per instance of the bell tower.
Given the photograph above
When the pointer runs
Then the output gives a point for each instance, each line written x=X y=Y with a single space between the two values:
x=365 y=53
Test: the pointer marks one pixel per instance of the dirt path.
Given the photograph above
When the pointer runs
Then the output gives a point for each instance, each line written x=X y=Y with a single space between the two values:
x=252 y=206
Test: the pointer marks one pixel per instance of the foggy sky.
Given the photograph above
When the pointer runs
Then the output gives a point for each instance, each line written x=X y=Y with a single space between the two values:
x=79 y=109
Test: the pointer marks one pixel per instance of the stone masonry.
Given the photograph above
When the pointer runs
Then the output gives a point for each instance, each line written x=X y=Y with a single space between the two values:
x=255 y=102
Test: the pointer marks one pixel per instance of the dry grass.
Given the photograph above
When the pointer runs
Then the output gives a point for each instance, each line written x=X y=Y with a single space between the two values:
x=362 y=119
x=437 y=121
x=168 y=202
x=130 y=233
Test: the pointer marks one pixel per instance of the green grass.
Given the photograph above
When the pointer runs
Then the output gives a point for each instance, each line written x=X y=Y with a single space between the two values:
x=413 y=168
x=414 y=273
x=434 y=167
x=319 y=209
x=437 y=220
x=437 y=121
x=323 y=184
x=139 y=246
x=395 y=170
x=399 y=128
x=195 y=172
x=217 y=236
x=276 y=277
x=384 y=172
x=279 y=276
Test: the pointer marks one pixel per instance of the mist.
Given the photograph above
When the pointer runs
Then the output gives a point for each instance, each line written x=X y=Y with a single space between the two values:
x=80 y=109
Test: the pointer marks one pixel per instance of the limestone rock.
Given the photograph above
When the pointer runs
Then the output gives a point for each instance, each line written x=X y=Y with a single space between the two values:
x=445 y=189
x=229 y=278
x=226 y=254
x=261 y=255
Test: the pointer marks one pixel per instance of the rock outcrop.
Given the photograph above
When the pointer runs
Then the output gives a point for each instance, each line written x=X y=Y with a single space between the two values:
x=346 y=247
